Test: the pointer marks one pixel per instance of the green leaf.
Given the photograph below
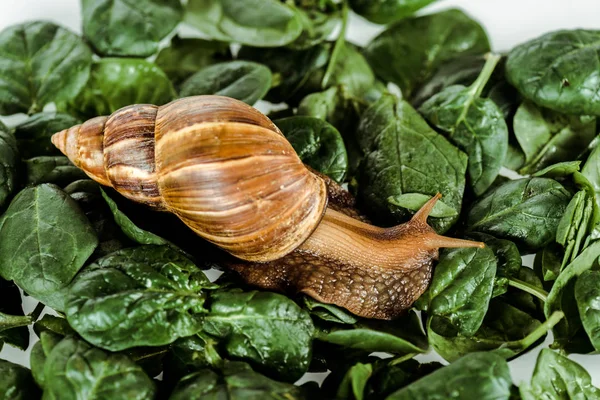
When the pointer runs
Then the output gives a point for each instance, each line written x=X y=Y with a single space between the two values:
x=557 y=377
x=13 y=321
x=56 y=325
x=33 y=135
x=462 y=286
x=44 y=241
x=16 y=382
x=558 y=70
x=392 y=374
x=9 y=163
x=474 y=124
x=134 y=233
x=52 y=169
x=242 y=80
x=266 y=329
x=42 y=63
x=591 y=171
x=190 y=354
x=10 y=303
x=402 y=336
x=548 y=137
x=525 y=211
x=477 y=376
x=75 y=370
x=567 y=334
x=559 y=170
x=350 y=71
x=236 y=381
x=548 y=261
x=410 y=51
x=261 y=23
x=355 y=381
x=119 y=82
x=155 y=296
x=329 y=312
x=386 y=11
x=318 y=23
x=318 y=144
x=125 y=28
x=186 y=56
x=390 y=134
x=587 y=295
x=414 y=202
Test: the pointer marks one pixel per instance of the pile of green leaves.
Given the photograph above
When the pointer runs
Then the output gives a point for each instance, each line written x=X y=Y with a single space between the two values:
x=130 y=313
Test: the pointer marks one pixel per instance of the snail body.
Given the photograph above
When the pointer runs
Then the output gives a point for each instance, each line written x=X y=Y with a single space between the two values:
x=230 y=175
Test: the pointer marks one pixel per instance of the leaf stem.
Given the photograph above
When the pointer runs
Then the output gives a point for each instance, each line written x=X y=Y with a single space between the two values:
x=526 y=287
x=484 y=76
x=400 y=360
x=542 y=329
x=337 y=47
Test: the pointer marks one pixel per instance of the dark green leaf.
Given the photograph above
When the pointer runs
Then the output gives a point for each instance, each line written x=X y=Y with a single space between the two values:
x=236 y=381
x=37 y=359
x=318 y=23
x=75 y=370
x=44 y=240
x=414 y=202
x=355 y=381
x=261 y=23
x=154 y=297
x=329 y=312
x=557 y=377
x=33 y=135
x=52 y=169
x=548 y=137
x=548 y=261
x=266 y=329
x=41 y=63
x=184 y=57
x=404 y=155
x=392 y=374
x=318 y=144
x=119 y=82
x=386 y=11
x=559 y=170
x=56 y=325
x=587 y=295
x=474 y=124
x=591 y=171
x=558 y=71
x=410 y=51
x=525 y=211
x=16 y=383
x=9 y=162
x=462 y=286
x=351 y=71
x=190 y=354
x=477 y=376
x=126 y=28
x=10 y=303
x=242 y=80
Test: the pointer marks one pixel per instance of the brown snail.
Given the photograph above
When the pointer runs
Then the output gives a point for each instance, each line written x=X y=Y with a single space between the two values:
x=229 y=174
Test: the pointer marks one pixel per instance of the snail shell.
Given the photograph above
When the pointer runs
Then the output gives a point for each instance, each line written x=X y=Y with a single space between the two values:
x=218 y=164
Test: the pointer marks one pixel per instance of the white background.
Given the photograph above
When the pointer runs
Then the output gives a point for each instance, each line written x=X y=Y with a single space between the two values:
x=508 y=22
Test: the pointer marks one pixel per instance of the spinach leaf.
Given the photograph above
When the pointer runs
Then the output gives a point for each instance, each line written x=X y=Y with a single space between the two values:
x=42 y=63
x=16 y=382
x=354 y=382
x=557 y=377
x=155 y=296
x=44 y=240
x=477 y=376
x=390 y=134
x=525 y=211
x=318 y=23
x=473 y=124
x=125 y=28
x=402 y=336
x=52 y=169
x=574 y=224
x=329 y=312
x=558 y=71
x=75 y=370
x=186 y=56
x=462 y=286
x=266 y=329
x=261 y=23
x=56 y=325
x=559 y=170
x=414 y=202
x=569 y=333
x=591 y=171
x=410 y=51
x=349 y=70
x=392 y=374
x=10 y=304
x=386 y=11
x=548 y=137
x=318 y=144
x=134 y=233
x=119 y=82
x=9 y=163
x=236 y=381
x=190 y=354
x=242 y=80
x=587 y=295
x=548 y=261
x=39 y=354
x=33 y=135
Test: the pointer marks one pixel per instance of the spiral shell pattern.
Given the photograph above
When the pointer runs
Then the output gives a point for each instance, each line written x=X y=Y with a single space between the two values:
x=218 y=164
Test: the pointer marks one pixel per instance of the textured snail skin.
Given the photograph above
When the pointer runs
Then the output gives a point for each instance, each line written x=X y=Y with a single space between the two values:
x=230 y=175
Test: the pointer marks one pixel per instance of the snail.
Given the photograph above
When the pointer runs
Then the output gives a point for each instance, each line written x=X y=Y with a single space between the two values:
x=230 y=175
